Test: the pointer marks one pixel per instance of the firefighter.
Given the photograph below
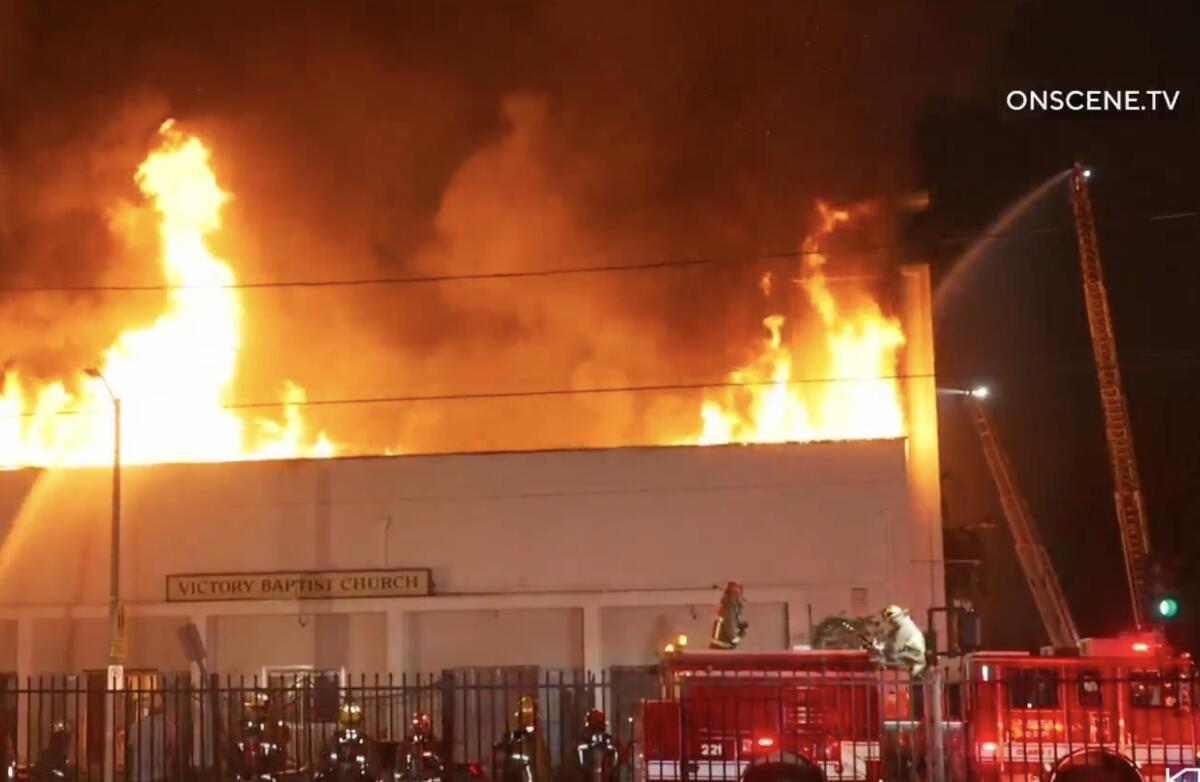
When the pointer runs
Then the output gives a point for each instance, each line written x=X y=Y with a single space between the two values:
x=597 y=750
x=904 y=643
x=8 y=757
x=151 y=740
x=420 y=759
x=349 y=756
x=729 y=627
x=261 y=750
x=521 y=755
x=52 y=762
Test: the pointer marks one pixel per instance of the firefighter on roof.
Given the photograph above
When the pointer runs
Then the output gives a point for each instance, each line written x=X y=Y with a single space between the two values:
x=729 y=627
x=904 y=643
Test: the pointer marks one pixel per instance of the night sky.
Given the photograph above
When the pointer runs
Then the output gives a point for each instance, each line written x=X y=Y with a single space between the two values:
x=1019 y=322
x=369 y=138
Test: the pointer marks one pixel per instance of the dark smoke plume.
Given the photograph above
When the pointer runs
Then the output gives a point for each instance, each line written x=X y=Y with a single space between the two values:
x=368 y=138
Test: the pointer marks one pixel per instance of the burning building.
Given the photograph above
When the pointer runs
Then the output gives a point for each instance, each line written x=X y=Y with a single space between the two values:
x=809 y=474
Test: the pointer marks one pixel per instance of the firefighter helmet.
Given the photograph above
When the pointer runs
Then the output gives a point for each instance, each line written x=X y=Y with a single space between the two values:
x=60 y=728
x=526 y=713
x=893 y=613
x=596 y=721
x=350 y=715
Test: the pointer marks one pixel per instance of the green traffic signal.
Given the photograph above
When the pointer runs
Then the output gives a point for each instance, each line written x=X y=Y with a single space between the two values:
x=1167 y=607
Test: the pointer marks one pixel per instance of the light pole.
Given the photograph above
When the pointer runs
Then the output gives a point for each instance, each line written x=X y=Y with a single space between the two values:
x=116 y=640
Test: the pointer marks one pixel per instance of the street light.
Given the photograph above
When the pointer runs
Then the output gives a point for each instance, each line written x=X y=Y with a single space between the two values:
x=116 y=640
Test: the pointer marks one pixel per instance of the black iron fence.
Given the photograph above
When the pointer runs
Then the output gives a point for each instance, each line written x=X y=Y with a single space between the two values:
x=156 y=726
x=1055 y=725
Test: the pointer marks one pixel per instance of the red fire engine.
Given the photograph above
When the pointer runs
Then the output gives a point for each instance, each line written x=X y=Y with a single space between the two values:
x=1122 y=711
x=767 y=717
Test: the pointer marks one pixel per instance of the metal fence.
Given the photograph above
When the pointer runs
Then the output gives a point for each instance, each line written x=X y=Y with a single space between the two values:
x=1024 y=724
x=158 y=726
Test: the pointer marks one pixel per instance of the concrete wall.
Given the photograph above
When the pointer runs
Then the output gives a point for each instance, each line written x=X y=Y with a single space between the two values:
x=552 y=638
x=628 y=518
x=642 y=534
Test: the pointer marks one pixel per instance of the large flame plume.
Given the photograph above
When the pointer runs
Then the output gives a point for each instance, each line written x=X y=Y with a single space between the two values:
x=173 y=378
x=849 y=389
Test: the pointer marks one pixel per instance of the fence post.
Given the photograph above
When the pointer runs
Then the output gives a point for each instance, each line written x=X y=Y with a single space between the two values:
x=935 y=728
x=24 y=674
x=114 y=683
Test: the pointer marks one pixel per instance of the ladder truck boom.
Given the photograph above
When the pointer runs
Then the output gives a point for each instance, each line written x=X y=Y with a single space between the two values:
x=1035 y=561
x=1127 y=492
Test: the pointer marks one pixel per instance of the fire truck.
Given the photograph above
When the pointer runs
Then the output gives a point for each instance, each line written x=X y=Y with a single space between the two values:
x=1121 y=710
x=768 y=717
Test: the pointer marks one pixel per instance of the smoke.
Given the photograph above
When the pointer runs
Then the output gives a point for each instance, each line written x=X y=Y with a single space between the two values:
x=363 y=139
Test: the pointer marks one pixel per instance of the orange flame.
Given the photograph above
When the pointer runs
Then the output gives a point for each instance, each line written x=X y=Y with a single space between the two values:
x=174 y=377
x=849 y=391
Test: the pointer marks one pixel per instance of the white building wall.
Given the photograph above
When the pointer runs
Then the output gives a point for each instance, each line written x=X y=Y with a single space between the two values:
x=634 y=635
x=563 y=559
x=549 y=637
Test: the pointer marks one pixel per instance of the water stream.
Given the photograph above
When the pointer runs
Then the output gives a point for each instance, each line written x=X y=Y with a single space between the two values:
x=1002 y=227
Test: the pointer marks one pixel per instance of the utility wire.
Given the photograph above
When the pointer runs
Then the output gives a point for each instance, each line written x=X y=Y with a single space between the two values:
x=549 y=392
x=680 y=263
x=1183 y=360
x=1169 y=360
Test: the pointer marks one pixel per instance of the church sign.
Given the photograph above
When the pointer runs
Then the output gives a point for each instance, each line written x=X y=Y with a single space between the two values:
x=298 y=585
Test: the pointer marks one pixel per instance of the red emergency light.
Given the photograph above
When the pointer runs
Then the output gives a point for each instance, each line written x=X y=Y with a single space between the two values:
x=765 y=742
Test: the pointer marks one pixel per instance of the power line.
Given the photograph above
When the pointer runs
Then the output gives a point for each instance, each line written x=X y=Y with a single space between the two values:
x=636 y=266
x=1169 y=360
x=540 y=393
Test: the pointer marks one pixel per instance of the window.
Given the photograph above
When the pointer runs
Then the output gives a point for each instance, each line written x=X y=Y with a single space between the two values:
x=316 y=693
x=1033 y=688
x=1090 y=693
x=1152 y=690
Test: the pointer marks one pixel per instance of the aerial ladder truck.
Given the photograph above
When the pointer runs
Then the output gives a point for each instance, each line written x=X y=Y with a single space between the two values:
x=1127 y=491
x=1031 y=554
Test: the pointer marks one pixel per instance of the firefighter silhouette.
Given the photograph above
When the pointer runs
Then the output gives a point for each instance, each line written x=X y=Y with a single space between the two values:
x=419 y=758
x=729 y=627
x=349 y=756
x=521 y=755
x=53 y=762
x=8 y=756
x=597 y=751
x=904 y=643
x=261 y=750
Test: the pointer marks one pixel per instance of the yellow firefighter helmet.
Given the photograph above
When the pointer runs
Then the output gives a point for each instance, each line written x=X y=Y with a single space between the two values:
x=350 y=715
x=893 y=613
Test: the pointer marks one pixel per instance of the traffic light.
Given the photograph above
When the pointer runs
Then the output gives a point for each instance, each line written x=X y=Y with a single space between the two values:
x=1164 y=597
x=1166 y=607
